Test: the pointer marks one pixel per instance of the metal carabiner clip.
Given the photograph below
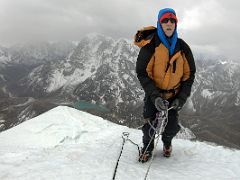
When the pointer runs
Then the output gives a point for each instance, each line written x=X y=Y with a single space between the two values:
x=125 y=135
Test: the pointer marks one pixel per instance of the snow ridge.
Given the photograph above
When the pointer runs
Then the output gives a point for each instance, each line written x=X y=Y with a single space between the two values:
x=65 y=143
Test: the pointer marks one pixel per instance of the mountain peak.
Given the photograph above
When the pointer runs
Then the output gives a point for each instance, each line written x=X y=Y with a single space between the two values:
x=51 y=128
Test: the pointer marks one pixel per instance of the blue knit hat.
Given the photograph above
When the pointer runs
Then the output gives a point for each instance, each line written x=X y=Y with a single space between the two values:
x=161 y=33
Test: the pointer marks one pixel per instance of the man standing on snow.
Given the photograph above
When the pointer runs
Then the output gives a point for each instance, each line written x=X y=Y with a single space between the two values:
x=166 y=70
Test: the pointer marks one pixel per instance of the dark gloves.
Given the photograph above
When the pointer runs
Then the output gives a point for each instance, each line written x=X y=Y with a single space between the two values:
x=159 y=102
x=177 y=104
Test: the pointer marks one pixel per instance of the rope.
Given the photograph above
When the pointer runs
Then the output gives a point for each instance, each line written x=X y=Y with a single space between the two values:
x=160 y=117
x=124 y=140
x=136 y=145
x=154 y=150
x=125 y=137
x=163 y=117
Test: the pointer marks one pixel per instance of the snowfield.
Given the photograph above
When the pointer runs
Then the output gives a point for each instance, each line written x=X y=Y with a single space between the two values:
x=67 y=144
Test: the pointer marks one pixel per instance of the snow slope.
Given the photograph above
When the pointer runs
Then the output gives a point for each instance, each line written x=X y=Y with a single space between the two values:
x=67 y=144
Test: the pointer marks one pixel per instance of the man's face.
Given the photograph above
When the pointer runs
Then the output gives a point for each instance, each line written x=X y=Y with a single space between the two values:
x=168 y=26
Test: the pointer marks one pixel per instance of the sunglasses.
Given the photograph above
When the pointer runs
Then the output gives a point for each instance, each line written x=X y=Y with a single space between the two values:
x=165 y=20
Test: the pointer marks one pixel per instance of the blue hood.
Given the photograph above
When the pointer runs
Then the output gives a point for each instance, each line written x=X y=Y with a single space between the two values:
x=161 y=34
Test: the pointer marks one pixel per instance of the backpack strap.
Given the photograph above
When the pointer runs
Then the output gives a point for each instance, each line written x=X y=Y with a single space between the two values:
x=144 y=36
x=183 y=47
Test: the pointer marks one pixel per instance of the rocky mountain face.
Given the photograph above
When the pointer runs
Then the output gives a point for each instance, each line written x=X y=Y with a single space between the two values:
x=17 y=102
x=215 y=102
x=101 y=71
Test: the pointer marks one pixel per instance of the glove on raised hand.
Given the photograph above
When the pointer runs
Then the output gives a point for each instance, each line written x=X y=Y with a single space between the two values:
x=177 y=104
x=160 y=104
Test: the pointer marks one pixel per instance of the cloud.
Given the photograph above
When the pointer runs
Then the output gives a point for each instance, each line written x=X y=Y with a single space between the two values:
x=213 y=23
x=212 y=26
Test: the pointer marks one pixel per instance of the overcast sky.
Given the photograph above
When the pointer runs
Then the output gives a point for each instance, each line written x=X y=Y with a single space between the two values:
x=206 y=25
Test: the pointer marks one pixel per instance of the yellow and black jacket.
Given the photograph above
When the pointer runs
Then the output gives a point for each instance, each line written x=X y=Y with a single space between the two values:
x=172 y=76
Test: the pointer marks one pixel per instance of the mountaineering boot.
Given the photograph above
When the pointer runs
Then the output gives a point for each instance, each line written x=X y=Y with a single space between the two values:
x=145 y=156
x=167 y=150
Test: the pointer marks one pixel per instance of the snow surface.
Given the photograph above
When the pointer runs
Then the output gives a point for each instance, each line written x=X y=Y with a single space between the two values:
x=67 y=144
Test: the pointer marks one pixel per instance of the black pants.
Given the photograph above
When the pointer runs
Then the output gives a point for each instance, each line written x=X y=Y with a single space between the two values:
x=171 y=128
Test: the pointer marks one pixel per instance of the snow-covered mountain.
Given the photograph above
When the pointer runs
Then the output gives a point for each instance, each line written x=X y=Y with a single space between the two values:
x=4 y=59
x=16 y=63
x=96 y=59
x=215 y=102
x=65 y=143
x=39 y=52
x=101 y=70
